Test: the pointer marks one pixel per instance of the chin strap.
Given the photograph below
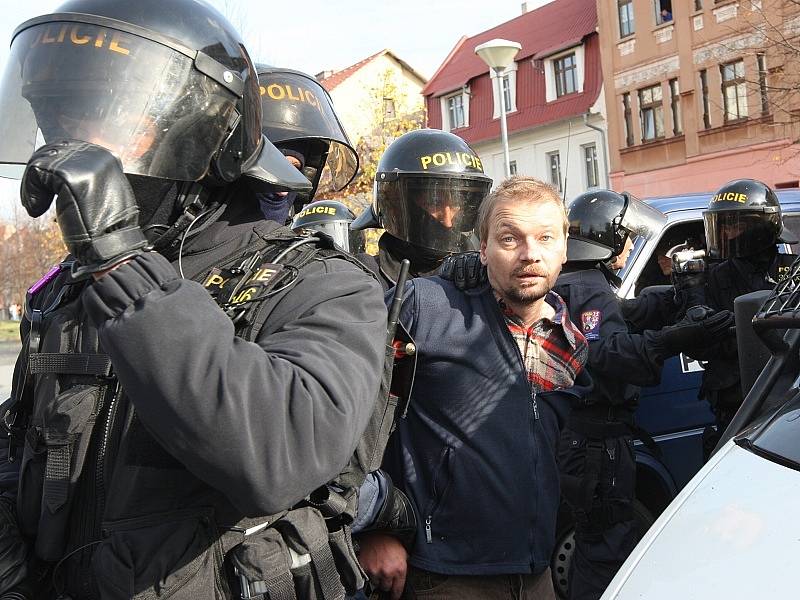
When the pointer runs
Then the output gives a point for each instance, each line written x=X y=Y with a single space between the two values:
x=610 y=276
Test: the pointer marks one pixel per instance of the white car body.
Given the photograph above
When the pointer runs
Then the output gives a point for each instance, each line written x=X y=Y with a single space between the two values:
x=732 y=532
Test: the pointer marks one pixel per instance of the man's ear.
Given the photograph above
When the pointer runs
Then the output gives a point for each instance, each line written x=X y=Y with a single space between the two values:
x=483 y=253
x=564 y=258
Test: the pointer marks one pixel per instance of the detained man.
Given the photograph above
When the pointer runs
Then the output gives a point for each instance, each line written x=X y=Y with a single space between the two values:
x=498 y=369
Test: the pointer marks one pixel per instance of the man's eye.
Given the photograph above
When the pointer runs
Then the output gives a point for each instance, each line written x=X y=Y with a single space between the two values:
x=507 y=239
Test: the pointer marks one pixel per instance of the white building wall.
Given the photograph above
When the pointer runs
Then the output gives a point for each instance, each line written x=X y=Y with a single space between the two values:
x=356 y=101
x=530 y=148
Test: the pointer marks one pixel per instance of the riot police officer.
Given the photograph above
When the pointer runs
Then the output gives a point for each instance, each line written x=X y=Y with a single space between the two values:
x=175 y=385
x=333 y=219
x=428 y=186
x=598 y=467
x=298 y=117
x=743 y=223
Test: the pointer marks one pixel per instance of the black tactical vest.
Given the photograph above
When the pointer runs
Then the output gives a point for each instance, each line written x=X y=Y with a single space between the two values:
x=73 y=425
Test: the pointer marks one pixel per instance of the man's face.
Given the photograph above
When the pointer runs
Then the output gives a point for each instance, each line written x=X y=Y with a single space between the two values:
x=524 y=249
x=620 y=260
x=445 y=210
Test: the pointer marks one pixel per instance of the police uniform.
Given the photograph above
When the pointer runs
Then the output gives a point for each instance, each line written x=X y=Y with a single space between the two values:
x=597 y=461
x=743 y=223
x=174 y=422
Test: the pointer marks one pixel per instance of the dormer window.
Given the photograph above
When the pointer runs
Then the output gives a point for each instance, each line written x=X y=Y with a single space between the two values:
x=564 y=73
x=455 y=110
x=509 y=83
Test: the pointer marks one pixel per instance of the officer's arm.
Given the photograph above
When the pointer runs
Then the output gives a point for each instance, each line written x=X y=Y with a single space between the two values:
x=653 y=308
x=634 y=358
x=264 y=423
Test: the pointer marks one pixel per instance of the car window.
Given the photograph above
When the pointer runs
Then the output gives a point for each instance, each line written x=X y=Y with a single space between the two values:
x=657 y=272
x=792 y=223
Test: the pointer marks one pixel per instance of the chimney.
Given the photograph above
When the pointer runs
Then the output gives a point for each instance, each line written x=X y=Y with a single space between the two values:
x=323 y=75
x=524 y=7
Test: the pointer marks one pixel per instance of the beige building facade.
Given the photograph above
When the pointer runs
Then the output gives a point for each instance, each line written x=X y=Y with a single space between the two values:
x=700 y=92
x=377 y=87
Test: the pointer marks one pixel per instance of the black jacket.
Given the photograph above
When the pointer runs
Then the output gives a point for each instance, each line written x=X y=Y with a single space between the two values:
x=206 y=422
x=619 y=361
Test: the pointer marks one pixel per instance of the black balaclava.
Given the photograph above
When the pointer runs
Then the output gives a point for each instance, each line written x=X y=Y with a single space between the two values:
x=275 y=206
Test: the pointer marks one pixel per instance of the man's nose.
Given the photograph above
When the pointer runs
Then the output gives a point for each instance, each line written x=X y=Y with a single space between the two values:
x=531 y=251
x=448 y=215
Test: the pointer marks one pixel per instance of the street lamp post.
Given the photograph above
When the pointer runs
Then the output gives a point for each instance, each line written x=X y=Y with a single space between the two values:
x=498 y=54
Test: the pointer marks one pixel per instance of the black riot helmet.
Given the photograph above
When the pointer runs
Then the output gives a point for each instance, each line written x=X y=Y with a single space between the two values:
x=743 y=219
x=601 y=221
x=428 y=187
x=297 y=115
x=167 y=87
x=332 y=218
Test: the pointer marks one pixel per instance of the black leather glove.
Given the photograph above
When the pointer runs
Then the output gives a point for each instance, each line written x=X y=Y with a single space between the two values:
x=96 y=209
x=396 y=517
x=700 y=328
x=464 y=270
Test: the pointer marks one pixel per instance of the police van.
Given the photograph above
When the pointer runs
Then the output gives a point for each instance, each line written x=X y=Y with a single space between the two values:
x=670 y=413
x=733 y=532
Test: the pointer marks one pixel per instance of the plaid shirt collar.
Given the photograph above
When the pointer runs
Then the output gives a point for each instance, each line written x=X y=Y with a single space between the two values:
x=553 y=349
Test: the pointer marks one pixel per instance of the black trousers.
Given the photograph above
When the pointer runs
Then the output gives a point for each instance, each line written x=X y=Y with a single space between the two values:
x=598 y=476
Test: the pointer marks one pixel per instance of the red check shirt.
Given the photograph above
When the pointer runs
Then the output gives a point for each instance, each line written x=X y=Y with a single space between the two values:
x=553 y=349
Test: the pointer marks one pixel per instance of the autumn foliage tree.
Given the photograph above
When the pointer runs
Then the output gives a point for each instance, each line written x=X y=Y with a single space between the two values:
x=392 y=113
x=28 y=248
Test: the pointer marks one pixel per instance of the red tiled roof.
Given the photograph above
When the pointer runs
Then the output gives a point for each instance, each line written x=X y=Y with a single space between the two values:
x=541 y=31
x=339 y=77
x=533 y=109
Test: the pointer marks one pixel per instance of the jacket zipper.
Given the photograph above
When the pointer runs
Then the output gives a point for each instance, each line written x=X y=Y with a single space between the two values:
x=443 y=464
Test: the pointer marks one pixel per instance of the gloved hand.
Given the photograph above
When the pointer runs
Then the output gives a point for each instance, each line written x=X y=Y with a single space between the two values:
x=96 y=209
x=464 y=270
x=396 y=517
x=688 y=275
x=700 y=328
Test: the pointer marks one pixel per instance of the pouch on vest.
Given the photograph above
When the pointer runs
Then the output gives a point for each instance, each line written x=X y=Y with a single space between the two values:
x=69 y=384
x=176 y=555
x=291 y=560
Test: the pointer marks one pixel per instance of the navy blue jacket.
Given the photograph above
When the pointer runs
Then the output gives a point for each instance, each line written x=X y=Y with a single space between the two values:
x=477 y=461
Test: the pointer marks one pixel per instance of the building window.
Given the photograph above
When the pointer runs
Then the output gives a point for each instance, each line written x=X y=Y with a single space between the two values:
x=704 y=96
x=507 y=91
x=625 y=12
x=565 y=70
x=388 y=108
x=456 y=116
x=508 y=83
x=675 y=103
x=663 y=9
x=590 y=163
x=626 y=108
x=651 y=112
x=512 y=167
x=698 y=4
x=734 y=90
x=554 y=165
x=762 y=83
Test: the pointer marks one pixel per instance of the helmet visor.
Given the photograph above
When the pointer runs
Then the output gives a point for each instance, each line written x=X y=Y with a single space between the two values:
x=641 y=220
x=438 y=213
x=740 y=233
x=141 y=100
x=295 y=107
x=339 y=231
